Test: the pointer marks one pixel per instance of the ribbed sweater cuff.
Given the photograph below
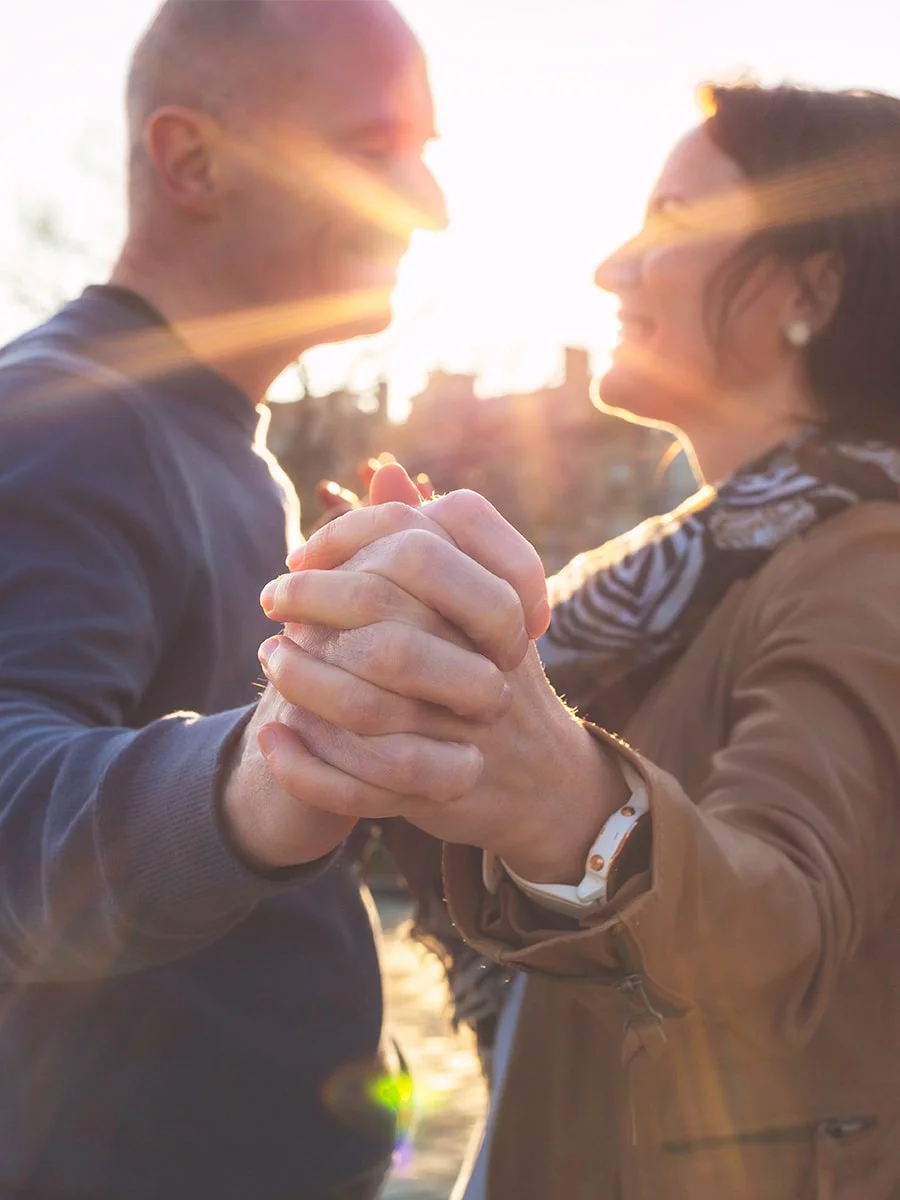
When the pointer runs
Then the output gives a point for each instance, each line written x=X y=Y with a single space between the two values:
x=170 y=867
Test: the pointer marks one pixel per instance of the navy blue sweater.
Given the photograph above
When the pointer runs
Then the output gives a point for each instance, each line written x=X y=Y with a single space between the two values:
x=173 y=1026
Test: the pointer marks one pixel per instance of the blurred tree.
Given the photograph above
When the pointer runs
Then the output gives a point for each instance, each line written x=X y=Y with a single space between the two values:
x=37 y=278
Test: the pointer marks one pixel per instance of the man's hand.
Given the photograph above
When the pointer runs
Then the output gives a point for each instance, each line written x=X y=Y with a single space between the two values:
x=269 y=827
x=405 y=618
x=386 y=710
x=463 y=520
x=537 y=793
x=334 y=501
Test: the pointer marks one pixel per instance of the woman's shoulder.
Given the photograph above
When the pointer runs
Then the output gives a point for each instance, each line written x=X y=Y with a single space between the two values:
x=848 y=563
x=854 y=534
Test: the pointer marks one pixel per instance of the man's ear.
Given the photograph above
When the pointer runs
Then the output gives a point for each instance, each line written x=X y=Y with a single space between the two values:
x=820 y=280
x=182 y=145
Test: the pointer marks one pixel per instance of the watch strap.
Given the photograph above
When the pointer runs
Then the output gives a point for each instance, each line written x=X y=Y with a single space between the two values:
x=601 y=865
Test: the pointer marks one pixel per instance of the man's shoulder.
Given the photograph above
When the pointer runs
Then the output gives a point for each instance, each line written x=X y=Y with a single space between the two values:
x=52 y=386
x=70 y=430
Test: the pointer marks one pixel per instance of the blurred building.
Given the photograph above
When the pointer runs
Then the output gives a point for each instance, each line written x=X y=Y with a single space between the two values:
x=565 y=474
x=328 y=437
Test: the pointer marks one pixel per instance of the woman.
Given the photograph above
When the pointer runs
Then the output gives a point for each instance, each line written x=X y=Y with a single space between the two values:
x=760 y=311
x=714 y=1010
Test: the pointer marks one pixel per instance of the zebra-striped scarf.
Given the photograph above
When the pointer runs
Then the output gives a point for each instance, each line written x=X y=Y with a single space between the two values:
x=624 y=613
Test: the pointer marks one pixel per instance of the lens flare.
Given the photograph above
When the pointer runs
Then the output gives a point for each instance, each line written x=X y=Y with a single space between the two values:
x=395 y=1093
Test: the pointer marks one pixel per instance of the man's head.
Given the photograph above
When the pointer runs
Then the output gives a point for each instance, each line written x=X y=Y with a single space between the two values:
x=276 y=145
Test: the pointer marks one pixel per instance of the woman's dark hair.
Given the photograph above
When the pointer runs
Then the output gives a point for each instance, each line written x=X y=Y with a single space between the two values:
x=826 y=168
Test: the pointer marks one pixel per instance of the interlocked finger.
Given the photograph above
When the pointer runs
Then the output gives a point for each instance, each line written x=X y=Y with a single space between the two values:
x=429 y=570
x=336 y=544
x=382 y=678
x=317 y=783
x=346 y=599
x=463 y=519
x=403 y=764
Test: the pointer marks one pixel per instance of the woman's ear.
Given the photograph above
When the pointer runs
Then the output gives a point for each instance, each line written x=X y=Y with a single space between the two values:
x=820 y=280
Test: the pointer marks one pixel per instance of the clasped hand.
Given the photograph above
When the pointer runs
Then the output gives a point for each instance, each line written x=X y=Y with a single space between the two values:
x=406 y=683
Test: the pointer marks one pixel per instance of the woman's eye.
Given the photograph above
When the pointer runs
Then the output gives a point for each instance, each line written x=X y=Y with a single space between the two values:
x=665 y=223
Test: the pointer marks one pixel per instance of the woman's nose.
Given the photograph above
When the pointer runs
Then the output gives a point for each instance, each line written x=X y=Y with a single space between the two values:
x=619 y=271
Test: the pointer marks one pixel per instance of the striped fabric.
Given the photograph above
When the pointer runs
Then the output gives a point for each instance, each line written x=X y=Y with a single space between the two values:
x=623 y=613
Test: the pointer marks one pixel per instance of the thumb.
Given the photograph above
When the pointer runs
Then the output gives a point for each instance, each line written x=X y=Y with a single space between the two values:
x=391 y=483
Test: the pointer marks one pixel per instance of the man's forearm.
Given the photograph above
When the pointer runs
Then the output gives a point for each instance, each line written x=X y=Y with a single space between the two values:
x=113 y=855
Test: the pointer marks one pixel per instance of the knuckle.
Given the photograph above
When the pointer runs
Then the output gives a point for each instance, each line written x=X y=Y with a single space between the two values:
x=360 y=710
x=348 y=796
x=466 y=504
x=365 y=648
x=435 y=625
x=477 y=503
x=508 y=607
x=527 y=569
x=375 y=596
x=274 y=667
x=466 y=776
x=387 y=652
x=458 y=775
x=415 y=547
x=403 y=767
x=388 y=525
x=291 y=591
x=281 y=670
x=506 y=625
x=357 y=591
x=488 y=690
x=326 y=537
x=396 y=515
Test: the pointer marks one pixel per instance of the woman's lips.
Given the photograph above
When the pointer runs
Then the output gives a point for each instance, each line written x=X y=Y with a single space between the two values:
x=634 y=328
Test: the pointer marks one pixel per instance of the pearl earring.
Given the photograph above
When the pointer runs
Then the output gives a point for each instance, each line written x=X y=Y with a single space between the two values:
x=798 y=333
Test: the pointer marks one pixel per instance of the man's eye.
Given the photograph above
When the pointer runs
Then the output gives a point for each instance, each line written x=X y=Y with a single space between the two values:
x=375 y=153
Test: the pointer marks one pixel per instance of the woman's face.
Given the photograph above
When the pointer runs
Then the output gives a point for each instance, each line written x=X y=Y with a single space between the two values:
x=666 y=366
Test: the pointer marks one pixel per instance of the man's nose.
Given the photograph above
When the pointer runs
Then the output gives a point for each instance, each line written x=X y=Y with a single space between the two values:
x=428 y=200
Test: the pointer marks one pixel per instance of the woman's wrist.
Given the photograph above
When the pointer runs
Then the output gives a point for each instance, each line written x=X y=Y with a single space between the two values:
x=591 y=787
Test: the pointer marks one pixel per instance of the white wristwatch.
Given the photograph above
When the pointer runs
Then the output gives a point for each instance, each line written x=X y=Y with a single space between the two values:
x=601 y=866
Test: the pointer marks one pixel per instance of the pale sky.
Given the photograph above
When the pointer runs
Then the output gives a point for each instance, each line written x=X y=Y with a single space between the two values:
x=555 y=116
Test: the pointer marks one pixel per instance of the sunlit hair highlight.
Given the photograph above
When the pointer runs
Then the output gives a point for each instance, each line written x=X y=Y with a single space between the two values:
x=824 y=169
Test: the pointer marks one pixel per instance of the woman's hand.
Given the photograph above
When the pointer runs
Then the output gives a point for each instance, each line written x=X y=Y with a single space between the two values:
x=391 y=710
x=334 y=501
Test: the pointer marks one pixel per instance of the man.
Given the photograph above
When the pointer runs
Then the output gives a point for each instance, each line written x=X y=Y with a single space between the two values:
x=178 y=1023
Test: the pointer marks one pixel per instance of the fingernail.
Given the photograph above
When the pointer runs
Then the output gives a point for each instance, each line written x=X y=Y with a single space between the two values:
x=295 y=558
x=506 y=697
x=539 y=619
x=267 y=597
x=267 y=740
x=513 y=657
x=268 y=649
x=476 y=761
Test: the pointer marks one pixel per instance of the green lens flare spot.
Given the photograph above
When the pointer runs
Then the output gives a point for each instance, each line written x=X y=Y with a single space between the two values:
x=392 y=1092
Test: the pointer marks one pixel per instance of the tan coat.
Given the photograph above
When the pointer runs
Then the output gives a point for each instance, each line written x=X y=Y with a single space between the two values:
x=729 y=1028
